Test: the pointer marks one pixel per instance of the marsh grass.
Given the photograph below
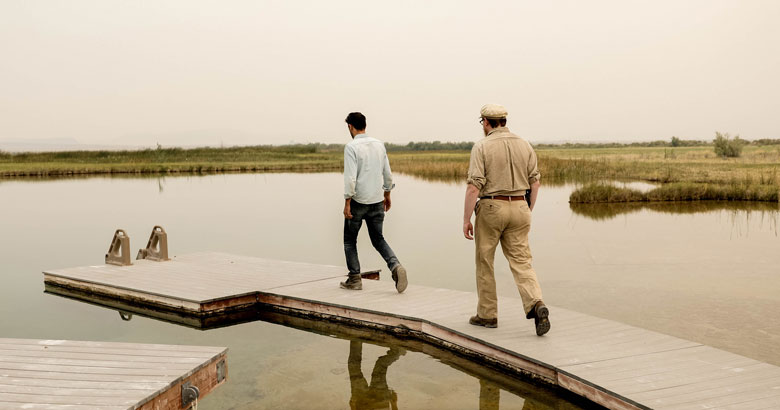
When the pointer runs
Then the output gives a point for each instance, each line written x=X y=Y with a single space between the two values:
x=311 y=157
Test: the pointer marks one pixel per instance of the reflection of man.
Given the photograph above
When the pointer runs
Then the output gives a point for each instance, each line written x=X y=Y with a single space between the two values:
x=502 y=167
x=367 y=185
x=489 y=395
x=490 y=398
x=376 y=395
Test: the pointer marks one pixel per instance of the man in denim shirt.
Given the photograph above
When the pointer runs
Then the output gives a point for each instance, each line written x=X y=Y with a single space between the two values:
x=367 y=185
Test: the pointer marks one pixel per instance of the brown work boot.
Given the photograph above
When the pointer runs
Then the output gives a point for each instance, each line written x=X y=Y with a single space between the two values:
x=399 y=277
x=353 y=282
x=541 y=318
x=478 y=321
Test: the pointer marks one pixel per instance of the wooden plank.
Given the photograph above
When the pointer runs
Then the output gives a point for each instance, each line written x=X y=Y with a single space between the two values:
x=92 y=359
x=702 y=377
x=42 y=381
x=96 y=391
x=768 y=403
x=115 y=345
x=59 y=374
x=83 y=401
x=721 y=396
x=7 y=349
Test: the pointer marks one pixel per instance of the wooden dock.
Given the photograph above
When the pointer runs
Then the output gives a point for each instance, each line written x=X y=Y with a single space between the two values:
x=609 y=363
x=62 y=374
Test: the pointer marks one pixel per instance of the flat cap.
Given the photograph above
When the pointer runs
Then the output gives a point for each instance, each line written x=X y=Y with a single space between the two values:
x=493 y=111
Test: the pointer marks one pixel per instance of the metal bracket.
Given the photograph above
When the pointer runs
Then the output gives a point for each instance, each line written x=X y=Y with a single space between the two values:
x=188 y=394
x=157 y=246
x=221 y=370
x=119 y=251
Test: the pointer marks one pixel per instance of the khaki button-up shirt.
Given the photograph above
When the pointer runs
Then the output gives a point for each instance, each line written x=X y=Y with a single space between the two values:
x=502 y=164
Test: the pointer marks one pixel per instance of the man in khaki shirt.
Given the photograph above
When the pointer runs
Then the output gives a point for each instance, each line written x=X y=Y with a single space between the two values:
x=502 y=167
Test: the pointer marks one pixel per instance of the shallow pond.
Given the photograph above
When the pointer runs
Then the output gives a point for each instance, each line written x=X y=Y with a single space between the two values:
x=704 y=272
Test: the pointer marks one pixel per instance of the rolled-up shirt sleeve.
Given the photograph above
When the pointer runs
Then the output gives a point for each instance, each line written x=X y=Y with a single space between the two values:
x=533 y=168
x=350 y=171
x=476 y=175
x=387 y=176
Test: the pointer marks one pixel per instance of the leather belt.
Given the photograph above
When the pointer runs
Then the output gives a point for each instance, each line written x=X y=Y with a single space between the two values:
x=504 y=197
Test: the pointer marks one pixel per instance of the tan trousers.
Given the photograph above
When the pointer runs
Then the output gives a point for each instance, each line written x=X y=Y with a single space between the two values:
x=508 y=223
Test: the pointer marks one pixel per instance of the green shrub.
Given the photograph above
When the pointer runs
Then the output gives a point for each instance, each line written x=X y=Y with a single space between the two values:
x=726 y=147
x=604 y=192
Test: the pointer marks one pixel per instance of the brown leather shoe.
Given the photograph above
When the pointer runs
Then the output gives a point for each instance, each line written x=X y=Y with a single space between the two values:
x=541 y=318
x=353 y=282
x=478 y=321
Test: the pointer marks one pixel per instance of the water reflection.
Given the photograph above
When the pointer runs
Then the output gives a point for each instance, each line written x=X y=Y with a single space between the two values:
x=374 y=395
x=377 y=393
x=607 y=211
x=489 y=395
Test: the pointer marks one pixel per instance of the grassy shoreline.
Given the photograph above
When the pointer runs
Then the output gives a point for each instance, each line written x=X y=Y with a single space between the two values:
x=754 y=176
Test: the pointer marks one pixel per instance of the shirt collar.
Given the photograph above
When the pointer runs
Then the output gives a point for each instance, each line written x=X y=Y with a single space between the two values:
x=363 y=135
x=498 y=130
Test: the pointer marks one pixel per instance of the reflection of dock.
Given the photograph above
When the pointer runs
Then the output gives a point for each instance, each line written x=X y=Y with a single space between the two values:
x=607 y=362
x=61 y=374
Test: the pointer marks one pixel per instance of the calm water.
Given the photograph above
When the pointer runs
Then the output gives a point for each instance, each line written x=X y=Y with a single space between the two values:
x=705 y=273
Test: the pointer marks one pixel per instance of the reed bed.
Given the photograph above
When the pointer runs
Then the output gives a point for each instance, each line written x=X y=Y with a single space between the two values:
x=294 y=158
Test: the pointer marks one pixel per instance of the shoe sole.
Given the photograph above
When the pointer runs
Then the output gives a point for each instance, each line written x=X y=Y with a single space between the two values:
x=544 y=323
x=401 y=283
x=343 y=286
x=489 y=326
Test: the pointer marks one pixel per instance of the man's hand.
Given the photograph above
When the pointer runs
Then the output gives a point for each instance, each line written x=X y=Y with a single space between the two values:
x=347 y=210
x=468 y=230
x=387 y=201
x=469 y=204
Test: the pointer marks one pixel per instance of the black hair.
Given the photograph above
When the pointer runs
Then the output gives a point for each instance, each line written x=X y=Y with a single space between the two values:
x=356 y=120
x=496 y=122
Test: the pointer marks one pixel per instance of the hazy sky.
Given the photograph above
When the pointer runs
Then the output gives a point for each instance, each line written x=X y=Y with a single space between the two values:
x=259 y=72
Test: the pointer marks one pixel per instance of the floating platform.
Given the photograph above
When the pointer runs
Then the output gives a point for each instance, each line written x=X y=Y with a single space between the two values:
x=62 y=374
x=610 y=363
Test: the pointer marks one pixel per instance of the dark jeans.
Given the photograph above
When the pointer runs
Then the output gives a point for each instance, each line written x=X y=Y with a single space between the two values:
x=374 y=215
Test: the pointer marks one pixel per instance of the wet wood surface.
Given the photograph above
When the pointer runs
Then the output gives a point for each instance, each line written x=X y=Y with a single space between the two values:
x=616 y=365
x=62 y=374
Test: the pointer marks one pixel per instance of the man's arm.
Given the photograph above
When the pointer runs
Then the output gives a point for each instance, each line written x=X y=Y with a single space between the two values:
x=350 y=179
x=476 y=180
x=534 y=192
x=533 y=177
x=388 y=185
x=468 y=208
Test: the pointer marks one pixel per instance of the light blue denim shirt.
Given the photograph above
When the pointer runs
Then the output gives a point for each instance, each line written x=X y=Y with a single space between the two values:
x=366 y=170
